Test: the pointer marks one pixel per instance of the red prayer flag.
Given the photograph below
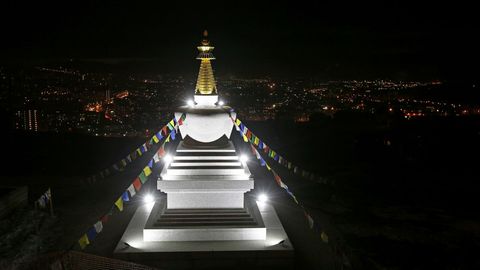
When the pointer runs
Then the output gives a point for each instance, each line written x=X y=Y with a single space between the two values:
x=104 y=219
x=161 y=151
x=137 y=184
x=277 y=178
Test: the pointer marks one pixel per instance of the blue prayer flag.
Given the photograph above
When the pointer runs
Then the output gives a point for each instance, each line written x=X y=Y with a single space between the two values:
x=125 y=197
x=91 y=234
x=150 y=163
x=262 y=162
x=159 y=135
x=172 y=134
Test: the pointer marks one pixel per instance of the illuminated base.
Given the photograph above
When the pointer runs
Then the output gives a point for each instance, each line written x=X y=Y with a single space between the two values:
x=194 y=224
x=143 y=250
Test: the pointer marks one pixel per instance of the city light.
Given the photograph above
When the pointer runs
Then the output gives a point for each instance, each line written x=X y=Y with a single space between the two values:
x=148 y=198
x=263 y=198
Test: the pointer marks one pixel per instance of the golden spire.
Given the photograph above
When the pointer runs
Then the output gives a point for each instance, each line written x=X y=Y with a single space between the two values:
x=205 y=81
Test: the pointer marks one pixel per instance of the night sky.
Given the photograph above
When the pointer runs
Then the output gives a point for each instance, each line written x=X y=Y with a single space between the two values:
x=399 y=40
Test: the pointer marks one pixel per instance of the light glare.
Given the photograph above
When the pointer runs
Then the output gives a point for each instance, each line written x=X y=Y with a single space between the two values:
x=262 y=198
x=243 y=158
x=148 y=198
x=190 y=103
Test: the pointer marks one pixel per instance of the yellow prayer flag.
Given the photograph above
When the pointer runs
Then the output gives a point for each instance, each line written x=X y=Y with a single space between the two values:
x=324 y=237
x=172 y=123
x=268 y=167
x=256 y=141
x=119 y=204
x=237 y=122
x=83 y=241
x=168 y=139
x=147 y=171
x=139 y=151
x=155 y=139
x=245 y=139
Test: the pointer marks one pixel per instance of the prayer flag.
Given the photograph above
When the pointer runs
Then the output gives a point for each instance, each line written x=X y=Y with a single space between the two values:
x=310 y=220
x=137 y=184
x=277 y=178
x=91 y=234
x=143 y=177
x=119 y=204
x=159 y=135
x=268 y=167
x=83 y=241
x=147 y=171
x=282 y=185
x=131 y=189
x=161 y=151
x=172 y=134
x=156 y=158
x=143 y=148
x=155 y=139
x=245 y=139
x=293 y=196
x=168 y=139
x=170 y=126
x=324 y=237
x=125 y=197
x=164 y=130
x=124 y=162
x=238 y=122
x=150 y=163
x=256 y=141
x=104 y=219
x=262 y=162
x=260 y=144
x=139 y=152
x=98 y=226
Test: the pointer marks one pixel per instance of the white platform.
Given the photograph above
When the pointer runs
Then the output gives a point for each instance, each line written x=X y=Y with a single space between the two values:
x=133 y=235
x=205 y=178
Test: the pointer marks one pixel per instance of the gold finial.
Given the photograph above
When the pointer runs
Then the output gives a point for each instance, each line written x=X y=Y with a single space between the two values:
x=205 y=81
x=205 y=41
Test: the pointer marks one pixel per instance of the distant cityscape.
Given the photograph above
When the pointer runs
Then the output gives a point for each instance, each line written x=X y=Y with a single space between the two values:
x=46 y=99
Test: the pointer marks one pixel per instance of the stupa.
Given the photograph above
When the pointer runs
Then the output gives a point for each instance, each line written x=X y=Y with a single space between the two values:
x=205 y=208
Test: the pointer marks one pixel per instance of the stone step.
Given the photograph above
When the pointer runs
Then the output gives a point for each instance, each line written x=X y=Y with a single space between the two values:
x=206 y=219
x=205 y=210
x=205 y=150
x=217 y=170
x=205 y=154
x=204 y=164
x=205 y=158
x=205 y=223
x=233 y=177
